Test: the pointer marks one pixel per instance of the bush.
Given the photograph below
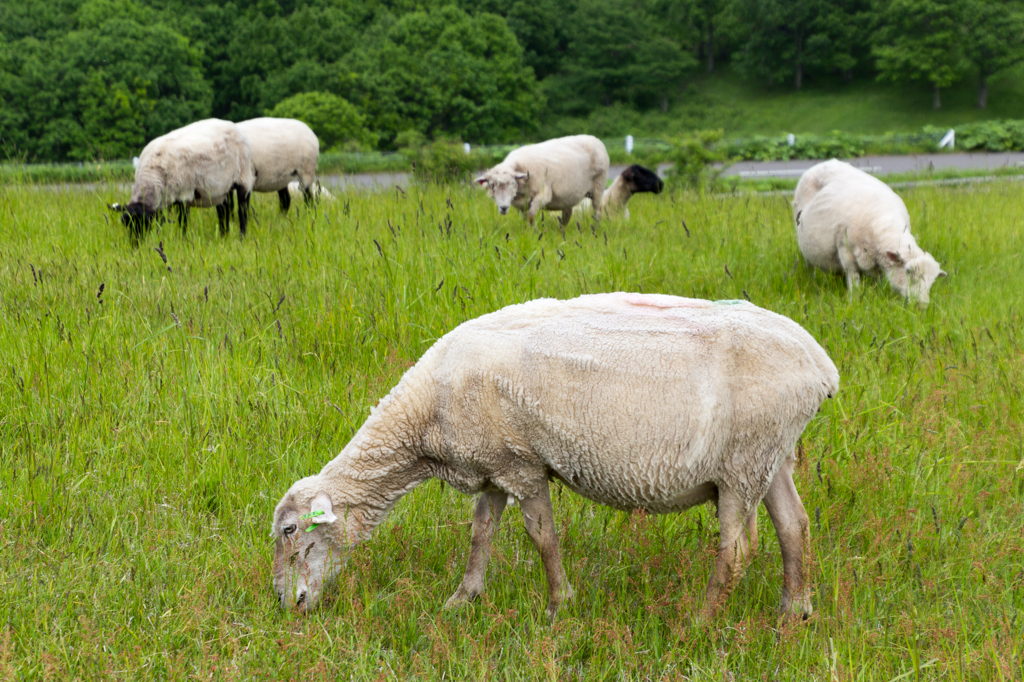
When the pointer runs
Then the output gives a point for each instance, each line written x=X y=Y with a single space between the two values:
x=337 y=122
x=443 y=161
x=694 y=158
x=993 y=136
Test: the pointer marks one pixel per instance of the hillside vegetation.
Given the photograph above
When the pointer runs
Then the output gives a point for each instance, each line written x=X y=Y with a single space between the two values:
x=89 y=80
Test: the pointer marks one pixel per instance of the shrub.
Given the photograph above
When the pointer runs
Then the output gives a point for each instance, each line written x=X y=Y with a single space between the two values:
x=443 y=161
x=694 y=158
x=336 y=121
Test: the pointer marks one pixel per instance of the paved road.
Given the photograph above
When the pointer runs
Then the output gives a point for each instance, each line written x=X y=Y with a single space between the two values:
x=878 y=165
x=884 y=165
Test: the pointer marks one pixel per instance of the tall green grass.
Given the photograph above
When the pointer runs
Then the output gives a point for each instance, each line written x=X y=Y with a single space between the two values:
x=152 y=414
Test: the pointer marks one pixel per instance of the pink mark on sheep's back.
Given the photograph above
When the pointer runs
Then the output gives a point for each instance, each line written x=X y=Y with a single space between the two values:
x=665 y=301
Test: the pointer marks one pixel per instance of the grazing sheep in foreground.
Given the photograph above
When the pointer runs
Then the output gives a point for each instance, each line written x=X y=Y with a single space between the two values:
x=284 y=150
x=634 y=401
x=632 y=180
x=197 y=165
x=554 y=175
x=851 y=222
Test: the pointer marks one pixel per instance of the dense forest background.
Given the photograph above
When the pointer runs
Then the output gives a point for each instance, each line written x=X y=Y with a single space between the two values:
x=96 y=79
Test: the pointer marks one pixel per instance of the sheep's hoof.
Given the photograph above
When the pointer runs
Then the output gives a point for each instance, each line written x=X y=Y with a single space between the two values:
x=461 y=598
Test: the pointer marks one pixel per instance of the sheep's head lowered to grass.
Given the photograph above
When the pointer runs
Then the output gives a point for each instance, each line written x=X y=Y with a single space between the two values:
x=504 y=186
x=310 y=544
x=913 y=277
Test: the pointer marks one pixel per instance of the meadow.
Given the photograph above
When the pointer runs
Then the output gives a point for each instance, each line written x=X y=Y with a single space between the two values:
x=155 y=403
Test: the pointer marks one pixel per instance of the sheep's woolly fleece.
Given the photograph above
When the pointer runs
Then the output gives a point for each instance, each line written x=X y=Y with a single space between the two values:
x=634 y=401
x=197 y=165
x=554 y=175
x=851 y=222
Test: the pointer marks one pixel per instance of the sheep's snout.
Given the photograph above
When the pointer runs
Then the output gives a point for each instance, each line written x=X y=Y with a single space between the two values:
x=503 y=210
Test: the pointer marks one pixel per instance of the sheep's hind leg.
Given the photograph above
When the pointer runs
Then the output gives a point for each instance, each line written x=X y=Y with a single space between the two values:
x=847 y=260
x=486 y=518
x=793 y=529
x=284 y=197
x=540 y=526
x=733 y=521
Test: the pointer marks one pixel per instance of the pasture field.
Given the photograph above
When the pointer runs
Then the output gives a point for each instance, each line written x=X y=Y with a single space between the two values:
x=152 y=413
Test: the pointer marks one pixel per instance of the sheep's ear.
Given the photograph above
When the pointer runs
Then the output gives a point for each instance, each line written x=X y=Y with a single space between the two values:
x=895 y=257
x=943 y=273
x=482 y=180
x=522 y=176
x=322 y=503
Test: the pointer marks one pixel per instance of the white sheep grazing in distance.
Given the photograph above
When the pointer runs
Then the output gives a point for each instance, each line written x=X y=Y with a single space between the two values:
x=851 y=222
x=554 y=175
x=284 y=150
x=634 y=401
x=200 y=164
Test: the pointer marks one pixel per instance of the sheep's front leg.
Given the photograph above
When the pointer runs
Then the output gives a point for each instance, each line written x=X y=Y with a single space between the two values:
x=183 y=218
x=243 y=209
x=540 y=526
x=486 y=518
x=793 y=529
x=733 y=522
x=284 y=198
x=566 y=217
x=537 y=203
x=224 y=217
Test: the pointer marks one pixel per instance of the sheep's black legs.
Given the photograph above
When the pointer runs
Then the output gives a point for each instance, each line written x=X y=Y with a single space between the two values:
x=243 y=210
x=540 y=526
x=307 y=194
x=183 y=218
x=485 y=521
x=224 y=217
x=285 y=199
x=794 y=531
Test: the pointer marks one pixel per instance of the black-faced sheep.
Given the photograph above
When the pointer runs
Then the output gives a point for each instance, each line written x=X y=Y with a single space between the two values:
x=633 y=180
x=284 y=150
x=554 y=175
x=851 y=222
x=635 y=401
x=200 y=164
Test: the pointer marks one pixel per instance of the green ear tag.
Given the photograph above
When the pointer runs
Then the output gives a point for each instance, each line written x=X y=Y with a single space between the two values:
x=312 y=515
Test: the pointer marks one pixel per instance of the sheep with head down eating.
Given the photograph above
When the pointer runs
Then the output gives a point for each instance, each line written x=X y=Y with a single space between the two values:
x=633 y=401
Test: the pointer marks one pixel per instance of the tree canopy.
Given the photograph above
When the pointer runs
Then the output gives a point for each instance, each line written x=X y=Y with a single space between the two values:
x=97 y=79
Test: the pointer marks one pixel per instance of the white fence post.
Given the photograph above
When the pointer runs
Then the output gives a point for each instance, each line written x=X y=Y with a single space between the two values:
x=949 y=139
x=629 y=144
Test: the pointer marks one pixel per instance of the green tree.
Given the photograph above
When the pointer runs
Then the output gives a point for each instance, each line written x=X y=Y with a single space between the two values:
x=103 y=89
x=787 y=38
x=443 y=72
x=995 y=39
x=921 y=40
x=334 y=119
x=618 y=53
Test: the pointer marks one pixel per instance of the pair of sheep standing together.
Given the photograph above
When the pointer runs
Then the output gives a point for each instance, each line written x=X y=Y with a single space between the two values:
x=211 y=162
x=637 y=402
